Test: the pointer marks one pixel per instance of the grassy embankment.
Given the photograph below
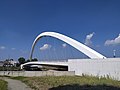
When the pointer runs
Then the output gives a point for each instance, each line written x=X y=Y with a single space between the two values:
x=3 y=85
x=70 y=83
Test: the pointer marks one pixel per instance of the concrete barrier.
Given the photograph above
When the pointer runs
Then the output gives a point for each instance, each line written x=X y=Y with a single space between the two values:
x=109 y=67
x=37 y=73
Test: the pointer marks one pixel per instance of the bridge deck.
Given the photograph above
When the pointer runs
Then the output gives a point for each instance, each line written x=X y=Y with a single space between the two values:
x=54 y=63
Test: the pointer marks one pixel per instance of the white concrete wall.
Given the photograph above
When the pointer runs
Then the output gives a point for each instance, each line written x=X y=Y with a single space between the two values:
x=96 y=67
x=37 y=73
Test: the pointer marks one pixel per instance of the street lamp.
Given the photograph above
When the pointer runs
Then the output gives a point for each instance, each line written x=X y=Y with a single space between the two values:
x=114 y=53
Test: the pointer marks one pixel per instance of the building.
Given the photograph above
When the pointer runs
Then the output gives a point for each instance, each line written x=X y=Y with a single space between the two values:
x=9 y=62
x=1 y=63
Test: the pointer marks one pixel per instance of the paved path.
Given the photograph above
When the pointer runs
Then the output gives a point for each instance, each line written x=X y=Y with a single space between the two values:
x=16 y=85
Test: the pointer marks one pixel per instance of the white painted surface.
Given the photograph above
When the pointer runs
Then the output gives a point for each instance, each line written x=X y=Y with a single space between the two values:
x=45 y=63
x=96 y=67
x=79 y=46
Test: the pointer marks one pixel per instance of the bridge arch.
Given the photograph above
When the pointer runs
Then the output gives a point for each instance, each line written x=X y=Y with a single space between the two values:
x=79 y=46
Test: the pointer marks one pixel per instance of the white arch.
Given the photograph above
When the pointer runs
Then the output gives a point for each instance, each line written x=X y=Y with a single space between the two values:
x=79 y=46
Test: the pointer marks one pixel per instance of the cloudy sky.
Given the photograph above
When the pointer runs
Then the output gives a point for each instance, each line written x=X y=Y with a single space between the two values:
x=95 y=23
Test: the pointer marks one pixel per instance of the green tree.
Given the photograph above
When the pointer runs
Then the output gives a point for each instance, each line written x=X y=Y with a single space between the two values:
x=21 y=60
x=35 y=59
x=28 y=60
x=17 y=64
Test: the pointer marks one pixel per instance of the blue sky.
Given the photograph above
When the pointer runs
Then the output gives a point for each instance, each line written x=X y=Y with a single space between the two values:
x=96 y=22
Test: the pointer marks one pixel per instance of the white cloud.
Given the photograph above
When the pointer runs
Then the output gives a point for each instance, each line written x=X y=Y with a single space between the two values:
x=88 y=39
x=2 y=47
x=64 y=45
x=13 y=48
x=115 y=41
x=45 y=46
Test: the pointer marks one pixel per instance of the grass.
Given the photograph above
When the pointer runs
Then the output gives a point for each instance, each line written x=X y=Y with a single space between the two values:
x=3 y=85
x=70 y=83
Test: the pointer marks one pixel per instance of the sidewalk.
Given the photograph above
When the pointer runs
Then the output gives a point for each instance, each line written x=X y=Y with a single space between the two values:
x=16 y=85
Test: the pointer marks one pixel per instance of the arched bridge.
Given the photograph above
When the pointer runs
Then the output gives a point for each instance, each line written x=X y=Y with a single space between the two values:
x=79 y=46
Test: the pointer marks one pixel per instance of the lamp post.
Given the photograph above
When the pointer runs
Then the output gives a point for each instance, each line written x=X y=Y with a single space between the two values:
x=114 y=53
